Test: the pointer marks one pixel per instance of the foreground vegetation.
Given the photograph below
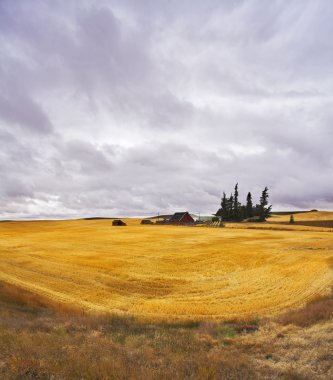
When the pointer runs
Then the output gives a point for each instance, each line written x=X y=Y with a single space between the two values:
x=165 y=272
x=39 y=342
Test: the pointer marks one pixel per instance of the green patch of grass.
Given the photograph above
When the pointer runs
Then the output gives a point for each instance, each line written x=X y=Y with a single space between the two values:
x=225 y=331
x=254 y=322
x=181 y=325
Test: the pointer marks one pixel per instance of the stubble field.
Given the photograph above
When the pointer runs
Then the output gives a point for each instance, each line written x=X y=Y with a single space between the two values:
x=167 y=272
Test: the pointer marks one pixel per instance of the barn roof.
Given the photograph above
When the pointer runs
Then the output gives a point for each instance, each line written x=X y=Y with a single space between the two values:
x=177 y=216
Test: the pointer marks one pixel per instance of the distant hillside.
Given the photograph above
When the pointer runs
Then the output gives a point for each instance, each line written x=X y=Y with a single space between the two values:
x=96 y=218
x=160 y=217
x=305 y=218
x=290 y=212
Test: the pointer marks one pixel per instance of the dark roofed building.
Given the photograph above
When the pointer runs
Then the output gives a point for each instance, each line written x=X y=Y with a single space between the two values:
x=118 y=222
x=181 y=218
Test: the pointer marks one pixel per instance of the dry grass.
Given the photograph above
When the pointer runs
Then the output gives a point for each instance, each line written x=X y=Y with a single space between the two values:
x=166 y=272
x=39 y=343
x=317 y=310
x=292 y=352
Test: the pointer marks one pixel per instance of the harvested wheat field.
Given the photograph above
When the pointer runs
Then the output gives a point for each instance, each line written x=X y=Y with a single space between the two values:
x=303 y=221
x=317 y=219
x=167 y=272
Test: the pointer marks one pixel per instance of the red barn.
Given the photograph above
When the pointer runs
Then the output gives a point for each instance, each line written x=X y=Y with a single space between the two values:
x=181 y=218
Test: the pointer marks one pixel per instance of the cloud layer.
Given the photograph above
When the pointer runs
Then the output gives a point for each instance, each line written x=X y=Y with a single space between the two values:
x=133 y=108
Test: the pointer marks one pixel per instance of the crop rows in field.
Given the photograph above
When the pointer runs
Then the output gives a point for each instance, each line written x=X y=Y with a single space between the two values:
x=167 y=272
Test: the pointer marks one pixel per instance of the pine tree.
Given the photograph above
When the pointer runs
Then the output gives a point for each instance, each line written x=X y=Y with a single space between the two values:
x=230 y=207
x=264 y=209
x=256 y=210
x=292 y=220
x=243 y=212
x=222 y=212
x=249 y=206
x=236 y=205
x=224 y=207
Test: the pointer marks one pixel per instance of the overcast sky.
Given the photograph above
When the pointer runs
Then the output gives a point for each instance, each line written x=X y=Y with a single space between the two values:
x=112 y=108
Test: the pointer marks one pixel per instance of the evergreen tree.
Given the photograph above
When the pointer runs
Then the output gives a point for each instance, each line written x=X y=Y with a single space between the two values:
x=249 y=206
x=264 y=209
x=236 y=205
x=230 y=207
x=218 y=212
x=292 y=220
x=243 y=212
x=224 y=207
x=222 y=212
x=232 y=210
x=256 y=210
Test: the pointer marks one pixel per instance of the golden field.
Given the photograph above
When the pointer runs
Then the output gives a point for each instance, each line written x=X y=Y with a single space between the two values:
x=168 y=272
x=304 y=216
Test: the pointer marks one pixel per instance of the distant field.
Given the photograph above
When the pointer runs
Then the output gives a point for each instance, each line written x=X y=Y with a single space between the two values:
x=303 y=216
x=166 y=272
x=311 y=219
x=303 y=221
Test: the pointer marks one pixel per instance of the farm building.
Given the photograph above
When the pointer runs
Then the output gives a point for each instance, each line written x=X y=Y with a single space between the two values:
x=118 y=222
x=146 y=221
x=181 y=218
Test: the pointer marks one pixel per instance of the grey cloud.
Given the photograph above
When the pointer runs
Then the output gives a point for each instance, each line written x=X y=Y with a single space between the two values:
x=85 y=157
x=130 y=108
x=25 y=113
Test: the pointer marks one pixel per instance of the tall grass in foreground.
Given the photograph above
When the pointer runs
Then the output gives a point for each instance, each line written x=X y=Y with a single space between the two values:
x=40 y=341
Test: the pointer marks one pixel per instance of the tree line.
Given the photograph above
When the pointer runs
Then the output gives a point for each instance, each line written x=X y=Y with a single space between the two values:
x=232 y=210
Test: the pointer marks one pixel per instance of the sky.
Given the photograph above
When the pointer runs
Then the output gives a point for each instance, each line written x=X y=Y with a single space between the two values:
x=130 y=108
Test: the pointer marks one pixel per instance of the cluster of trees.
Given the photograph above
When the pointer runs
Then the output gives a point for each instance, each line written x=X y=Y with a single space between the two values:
x=232 y=210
